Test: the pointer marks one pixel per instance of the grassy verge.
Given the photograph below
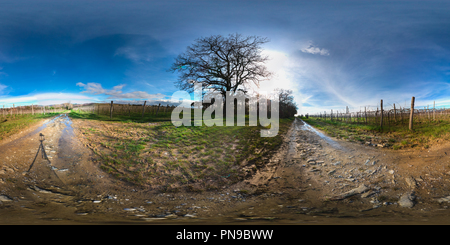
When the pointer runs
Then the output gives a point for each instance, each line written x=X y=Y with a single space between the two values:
x=132 y=117
x=13 y=124
x=424 y=135
x=172 y=158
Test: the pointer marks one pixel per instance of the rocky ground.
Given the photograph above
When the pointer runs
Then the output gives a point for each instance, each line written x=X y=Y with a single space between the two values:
x=311 y=180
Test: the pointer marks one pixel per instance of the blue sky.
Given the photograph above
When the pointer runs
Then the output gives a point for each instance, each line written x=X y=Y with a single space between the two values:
x=332 y=54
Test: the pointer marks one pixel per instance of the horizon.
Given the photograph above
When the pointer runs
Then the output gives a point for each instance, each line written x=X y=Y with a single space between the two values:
x=331 y=54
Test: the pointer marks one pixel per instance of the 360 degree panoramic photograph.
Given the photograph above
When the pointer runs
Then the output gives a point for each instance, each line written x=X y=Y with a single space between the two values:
x=224 y=113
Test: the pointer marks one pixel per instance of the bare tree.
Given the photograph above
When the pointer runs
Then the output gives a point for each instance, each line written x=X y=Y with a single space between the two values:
x=68 y=105
x=222 y=63
x=288 y=107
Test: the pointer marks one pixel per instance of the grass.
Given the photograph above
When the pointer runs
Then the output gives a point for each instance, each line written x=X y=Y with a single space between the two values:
x=122 y=117
x=163 y=156
x=10 y=125
x=395 y=136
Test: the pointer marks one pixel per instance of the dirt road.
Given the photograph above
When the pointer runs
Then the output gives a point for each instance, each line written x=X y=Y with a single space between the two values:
x=311 y=180
x=360 y=183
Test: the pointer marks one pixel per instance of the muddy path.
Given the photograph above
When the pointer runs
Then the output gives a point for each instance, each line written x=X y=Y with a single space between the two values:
x=359 y=183
x=311 y=180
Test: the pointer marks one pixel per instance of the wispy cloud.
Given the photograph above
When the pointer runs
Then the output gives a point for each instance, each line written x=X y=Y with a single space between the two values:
x=116 y=92
x=2 y=73
x=45 y=99
x=140 y=49
x=2 y=87
x=96 y=88
x=311 y=49
x=132 y=53
x=163 y=102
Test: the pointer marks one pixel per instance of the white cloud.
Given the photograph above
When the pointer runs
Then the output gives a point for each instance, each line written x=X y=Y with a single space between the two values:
x=96 y=88
x=45 y=99
x=61 y=96
x=163 y=102
x=116 y=92
x=311 y=49
x=136 y=95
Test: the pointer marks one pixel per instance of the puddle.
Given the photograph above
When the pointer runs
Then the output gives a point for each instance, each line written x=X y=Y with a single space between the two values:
x=65 y=143
x=68 y=123
x=27 y=136
x=43 y=126
x=330 y=141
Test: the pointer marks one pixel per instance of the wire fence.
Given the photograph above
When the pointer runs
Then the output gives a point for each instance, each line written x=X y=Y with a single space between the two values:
x=386 y=117
x=131 y=110
x=122 y=110
x=15 y=111
x=143 y=110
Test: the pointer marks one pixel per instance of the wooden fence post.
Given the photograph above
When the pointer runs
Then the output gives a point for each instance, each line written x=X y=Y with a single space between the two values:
x=411 y=115
x=381 y=121
x=434 y=110
x=158 y=109
x=376 y=116
x=401 y=115
x=143 y=109
x=111 y=110
x=395 y=114
x=365 y=114
x=346 y=114
x=389 y=119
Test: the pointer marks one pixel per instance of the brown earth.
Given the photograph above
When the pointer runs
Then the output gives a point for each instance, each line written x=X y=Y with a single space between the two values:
x=332 y=189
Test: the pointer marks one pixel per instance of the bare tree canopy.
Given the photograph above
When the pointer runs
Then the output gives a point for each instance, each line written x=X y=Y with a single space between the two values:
x=222 y=63
x=286 y=99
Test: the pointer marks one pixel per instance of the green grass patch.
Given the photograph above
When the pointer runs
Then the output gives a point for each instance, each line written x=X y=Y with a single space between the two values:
x=122 y=116
x=169 y=157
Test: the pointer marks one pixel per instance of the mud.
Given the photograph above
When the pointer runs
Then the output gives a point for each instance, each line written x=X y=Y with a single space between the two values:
x=312 y=179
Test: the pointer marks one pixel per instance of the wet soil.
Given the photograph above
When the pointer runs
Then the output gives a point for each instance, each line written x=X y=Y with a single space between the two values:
x=312 y=179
